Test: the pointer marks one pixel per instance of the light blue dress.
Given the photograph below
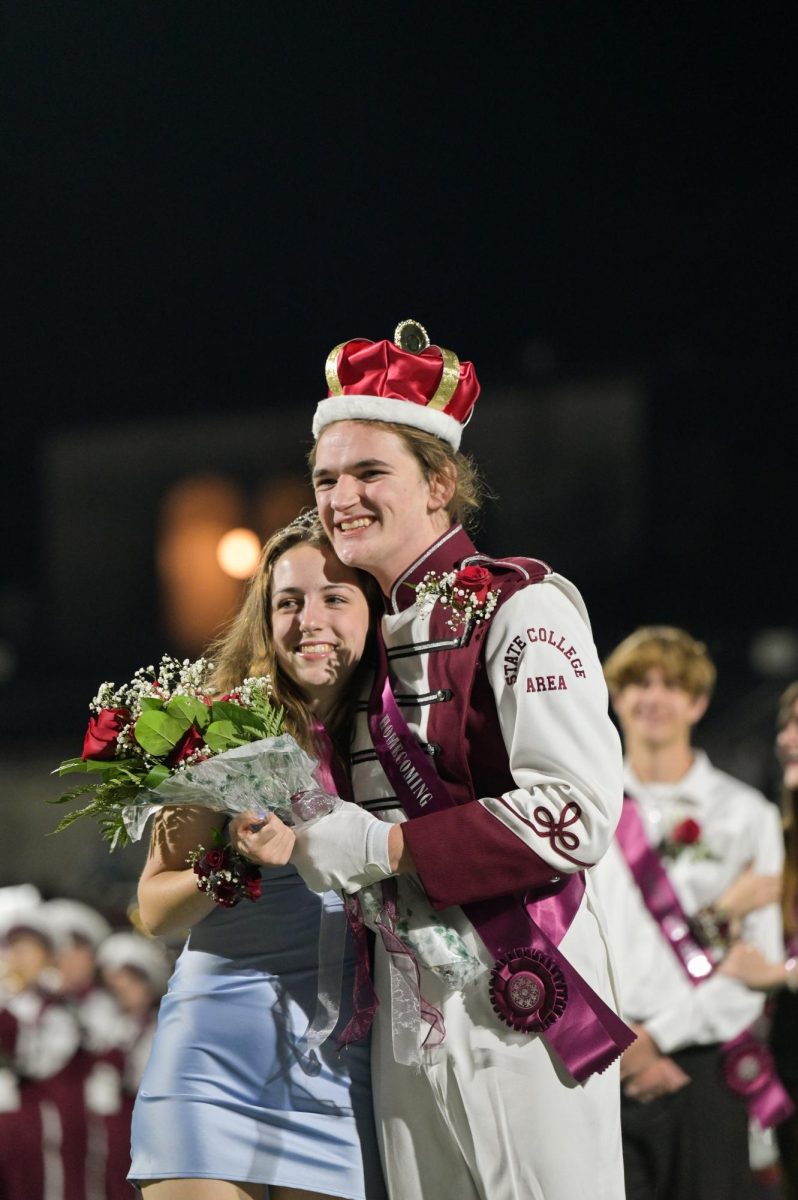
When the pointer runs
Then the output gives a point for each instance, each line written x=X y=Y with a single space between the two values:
x=227 y=1092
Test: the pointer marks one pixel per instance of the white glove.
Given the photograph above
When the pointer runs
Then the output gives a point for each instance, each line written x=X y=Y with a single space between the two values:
x=342 y=851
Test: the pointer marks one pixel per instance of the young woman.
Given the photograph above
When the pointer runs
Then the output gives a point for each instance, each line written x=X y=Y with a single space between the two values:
x=231 y=1105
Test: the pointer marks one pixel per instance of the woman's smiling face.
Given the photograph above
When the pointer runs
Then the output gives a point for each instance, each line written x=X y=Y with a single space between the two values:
x=320 y=621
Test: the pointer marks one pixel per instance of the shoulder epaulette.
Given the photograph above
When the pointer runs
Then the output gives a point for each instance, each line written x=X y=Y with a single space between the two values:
x=530 y=570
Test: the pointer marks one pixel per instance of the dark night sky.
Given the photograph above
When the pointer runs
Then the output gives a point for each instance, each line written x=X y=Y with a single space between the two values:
x=200 y=199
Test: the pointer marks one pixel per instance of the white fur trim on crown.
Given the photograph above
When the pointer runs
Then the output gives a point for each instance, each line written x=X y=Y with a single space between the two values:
x=387 y=408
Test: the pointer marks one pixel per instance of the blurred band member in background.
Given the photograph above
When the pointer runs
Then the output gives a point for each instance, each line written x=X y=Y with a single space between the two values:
x=689 y=839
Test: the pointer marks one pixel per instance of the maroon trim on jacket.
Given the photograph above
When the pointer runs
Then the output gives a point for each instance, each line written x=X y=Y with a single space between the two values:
x=553 y=831
x=465 y=854
x=442 y=556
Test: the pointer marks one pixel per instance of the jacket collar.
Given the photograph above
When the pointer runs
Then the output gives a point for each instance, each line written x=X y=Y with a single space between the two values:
x=442 y=556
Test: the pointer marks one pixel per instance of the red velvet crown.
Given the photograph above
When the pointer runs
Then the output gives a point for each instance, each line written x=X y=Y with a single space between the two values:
x=406 y=381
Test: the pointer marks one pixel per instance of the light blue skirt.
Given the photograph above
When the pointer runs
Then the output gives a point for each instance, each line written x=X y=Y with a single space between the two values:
x=228 y=1092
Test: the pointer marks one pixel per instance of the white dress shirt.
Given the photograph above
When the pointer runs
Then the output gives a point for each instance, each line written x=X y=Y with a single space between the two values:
x=738 y=828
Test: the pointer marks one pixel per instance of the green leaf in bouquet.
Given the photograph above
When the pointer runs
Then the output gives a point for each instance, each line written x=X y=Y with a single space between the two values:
x=80 y=790
x=107 y=804
x=271 y=715
x=190 y=708
x=158 y=733
x=112 y=827
x=152 y=702
x=89 y=811
x=81 y=766
x=70 y=765
x=110 y=820
x=243 y=718
x=223 y=735
x=156 y=776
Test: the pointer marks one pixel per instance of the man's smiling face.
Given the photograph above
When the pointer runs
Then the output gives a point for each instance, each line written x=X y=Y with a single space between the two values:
x=378 y=510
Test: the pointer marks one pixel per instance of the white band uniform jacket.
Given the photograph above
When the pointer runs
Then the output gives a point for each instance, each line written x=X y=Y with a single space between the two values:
x=535 y=764
x=738 y=827
x=536 y=721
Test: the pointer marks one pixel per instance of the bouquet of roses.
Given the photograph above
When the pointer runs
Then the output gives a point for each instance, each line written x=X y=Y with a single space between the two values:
x=164 y=739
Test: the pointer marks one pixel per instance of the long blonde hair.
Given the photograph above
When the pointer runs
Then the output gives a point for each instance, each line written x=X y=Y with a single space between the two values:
x=247 y=646
x=789 y=813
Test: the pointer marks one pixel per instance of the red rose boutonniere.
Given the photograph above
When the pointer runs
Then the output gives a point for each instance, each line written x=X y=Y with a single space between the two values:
x=474 y=579
x=466 y=593
x=686 y=833
x=685 y=836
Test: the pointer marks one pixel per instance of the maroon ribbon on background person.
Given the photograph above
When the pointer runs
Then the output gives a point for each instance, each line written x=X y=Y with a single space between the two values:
x=748 y=1067
x=591 y=1036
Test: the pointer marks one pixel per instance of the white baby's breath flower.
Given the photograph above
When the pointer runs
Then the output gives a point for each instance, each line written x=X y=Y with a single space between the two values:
x=464 y=605
x=260 y=684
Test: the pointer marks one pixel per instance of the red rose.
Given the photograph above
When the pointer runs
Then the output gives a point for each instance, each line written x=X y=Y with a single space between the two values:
x=474 y=579
x=190 y=741
x=225 y=892
x=101 y=735
x=686 y=833
x=201 y=868
x=252 y=886
x=215 y=859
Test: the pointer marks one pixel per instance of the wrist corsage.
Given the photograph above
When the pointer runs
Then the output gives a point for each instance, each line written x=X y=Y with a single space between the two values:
x=224 y=874
x=711 y=929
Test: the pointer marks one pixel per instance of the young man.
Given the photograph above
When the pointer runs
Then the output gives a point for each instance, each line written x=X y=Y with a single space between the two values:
x=688 y=833
x=486 y=751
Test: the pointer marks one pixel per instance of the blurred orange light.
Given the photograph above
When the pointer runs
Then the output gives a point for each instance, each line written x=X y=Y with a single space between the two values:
x=237 y=553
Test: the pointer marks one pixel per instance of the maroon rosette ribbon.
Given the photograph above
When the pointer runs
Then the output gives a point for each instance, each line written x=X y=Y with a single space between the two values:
x=746 y=1067
x=528 y=990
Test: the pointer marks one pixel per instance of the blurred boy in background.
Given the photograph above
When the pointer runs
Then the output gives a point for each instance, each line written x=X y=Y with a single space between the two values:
x=690 y=841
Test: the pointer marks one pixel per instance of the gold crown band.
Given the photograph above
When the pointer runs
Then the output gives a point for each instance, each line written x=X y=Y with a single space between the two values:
x=450 y=377
x=331 y=370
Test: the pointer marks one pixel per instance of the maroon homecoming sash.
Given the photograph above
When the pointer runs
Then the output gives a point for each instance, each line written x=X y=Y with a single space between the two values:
x=747 y=1063
x=532 y=983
